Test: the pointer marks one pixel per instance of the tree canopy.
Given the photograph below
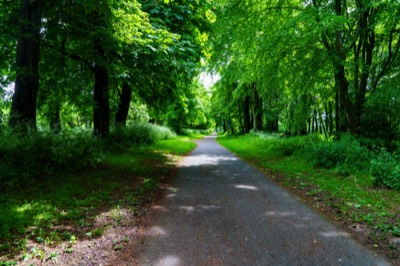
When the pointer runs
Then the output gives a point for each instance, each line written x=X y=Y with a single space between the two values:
x=315 y=64
x=292 y=65
x=79 y=63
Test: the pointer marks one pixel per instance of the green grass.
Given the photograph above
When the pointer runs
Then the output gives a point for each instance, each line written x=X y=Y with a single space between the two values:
x=353 y=196
x=56 y=208
x=179 y=146
x=189 y=134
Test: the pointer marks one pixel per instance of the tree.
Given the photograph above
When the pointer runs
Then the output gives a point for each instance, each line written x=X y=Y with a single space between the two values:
x=23 y=112
x=168 y=65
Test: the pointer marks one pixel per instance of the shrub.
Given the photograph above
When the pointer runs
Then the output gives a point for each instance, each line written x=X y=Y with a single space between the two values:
x=23 y=158
x=385 y=169
x=139 y=133
x=345 y=155
x=287 y=146
x=39 y=154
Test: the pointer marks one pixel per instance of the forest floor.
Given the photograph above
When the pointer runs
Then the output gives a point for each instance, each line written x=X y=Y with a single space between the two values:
x=90 y=217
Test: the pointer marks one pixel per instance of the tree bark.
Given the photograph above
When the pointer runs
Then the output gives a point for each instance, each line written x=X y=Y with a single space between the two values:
x=246 y=113
x=23 y=110
x=101 y=112
x=55 y=120
x=272 y=125
x=313 y=123
x=257 y=108
x=124 y=103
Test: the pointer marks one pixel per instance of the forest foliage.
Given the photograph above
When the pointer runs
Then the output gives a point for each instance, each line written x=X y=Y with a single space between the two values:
x=94 y=64
x=313 y=67
x=308 y=66
x=120 y=69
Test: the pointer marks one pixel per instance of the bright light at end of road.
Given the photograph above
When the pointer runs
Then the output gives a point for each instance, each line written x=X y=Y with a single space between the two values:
x=209 y=79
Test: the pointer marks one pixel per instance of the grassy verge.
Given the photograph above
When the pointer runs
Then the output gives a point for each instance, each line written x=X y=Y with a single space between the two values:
x=194 y=133
x=47 y=219
x=371 y=214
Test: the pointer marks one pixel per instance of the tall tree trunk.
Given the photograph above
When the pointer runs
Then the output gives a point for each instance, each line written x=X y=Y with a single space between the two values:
x=241 y=123
x=352 y=122
x=55 y=111
x=124 y=103
x=55 y=120
x=316 y=120
x=23 y=110
x=246 y=113
x=322 y=125
x=337 y=109
x=101 y=114
x=257 y=108
x=368 y=44
x=272 y=124
x=329 y=116
x=313 y=123
x=340 y=77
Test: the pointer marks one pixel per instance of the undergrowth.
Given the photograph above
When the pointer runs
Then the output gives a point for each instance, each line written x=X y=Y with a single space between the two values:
x=35 y=156
x=346 y=156
x=61 y=207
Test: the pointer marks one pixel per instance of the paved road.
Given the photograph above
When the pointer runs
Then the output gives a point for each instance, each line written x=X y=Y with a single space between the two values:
x=223 y=211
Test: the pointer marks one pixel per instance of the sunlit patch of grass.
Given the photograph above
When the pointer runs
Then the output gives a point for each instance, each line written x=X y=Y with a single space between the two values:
x=178 y=146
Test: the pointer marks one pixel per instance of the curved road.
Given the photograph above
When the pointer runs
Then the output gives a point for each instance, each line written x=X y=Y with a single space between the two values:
x=223 y=211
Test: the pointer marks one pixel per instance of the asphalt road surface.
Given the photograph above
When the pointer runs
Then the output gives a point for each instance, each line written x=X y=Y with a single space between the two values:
x=222 y=211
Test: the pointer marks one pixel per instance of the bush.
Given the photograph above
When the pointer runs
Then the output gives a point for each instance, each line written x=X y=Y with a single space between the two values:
x=385 y=169
x=140 y=133
x=345 y=155
x=23 y=158
x=39 y=154
x=287 y=146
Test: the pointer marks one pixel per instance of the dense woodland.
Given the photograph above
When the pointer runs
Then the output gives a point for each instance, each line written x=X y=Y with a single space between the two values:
x=100 y=63
x=300 y=66
x=308 y=66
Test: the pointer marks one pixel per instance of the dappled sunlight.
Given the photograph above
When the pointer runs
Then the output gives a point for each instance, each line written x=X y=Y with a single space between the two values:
x=160 y=208
x=155 y=231
x=206 y=159
x=172 y=195
x=24 y=208
x=173 y=189
x=280 y=214
x=335 y=234
x=187 y=208
x=191 y=209
x=248 y=187
x=172 y=192
x=169 y=260
x=209 y=207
